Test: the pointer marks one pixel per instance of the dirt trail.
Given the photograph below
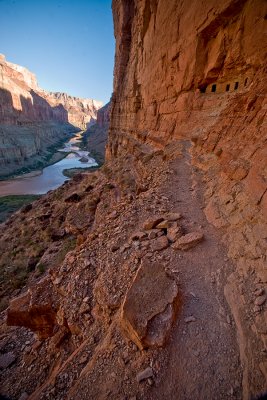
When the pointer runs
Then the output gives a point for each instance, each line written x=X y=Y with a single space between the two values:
x=203 y=355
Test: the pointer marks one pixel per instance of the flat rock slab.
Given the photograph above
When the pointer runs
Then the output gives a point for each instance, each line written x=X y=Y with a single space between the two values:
x=188 y=241
x=150 y=306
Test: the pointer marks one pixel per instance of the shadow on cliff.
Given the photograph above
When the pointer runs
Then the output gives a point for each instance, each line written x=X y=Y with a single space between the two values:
x=21 y=110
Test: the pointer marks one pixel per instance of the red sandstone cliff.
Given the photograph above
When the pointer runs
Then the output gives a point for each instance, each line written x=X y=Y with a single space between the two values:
x=198 y=72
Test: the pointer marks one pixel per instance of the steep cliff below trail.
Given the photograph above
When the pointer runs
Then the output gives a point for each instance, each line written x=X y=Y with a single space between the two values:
x=32 y=120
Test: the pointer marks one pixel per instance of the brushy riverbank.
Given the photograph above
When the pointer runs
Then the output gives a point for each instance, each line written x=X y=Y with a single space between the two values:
x=10 y=204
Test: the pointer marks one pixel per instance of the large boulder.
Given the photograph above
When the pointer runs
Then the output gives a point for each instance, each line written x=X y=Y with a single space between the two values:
x=150 y=306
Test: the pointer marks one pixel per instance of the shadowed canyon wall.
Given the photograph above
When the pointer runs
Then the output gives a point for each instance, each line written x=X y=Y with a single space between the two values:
x=32 y=120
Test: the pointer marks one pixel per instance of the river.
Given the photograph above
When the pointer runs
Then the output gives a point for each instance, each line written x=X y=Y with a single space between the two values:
x=51 y=177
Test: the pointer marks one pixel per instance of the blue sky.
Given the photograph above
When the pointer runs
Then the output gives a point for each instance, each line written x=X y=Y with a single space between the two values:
x=68 y=44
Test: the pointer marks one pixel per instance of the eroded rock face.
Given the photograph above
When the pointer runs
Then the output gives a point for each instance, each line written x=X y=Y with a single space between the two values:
x=198 y=73
x=150 y=306
x=213 y=93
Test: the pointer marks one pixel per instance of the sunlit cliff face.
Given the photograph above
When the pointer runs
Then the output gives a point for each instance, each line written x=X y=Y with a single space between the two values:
x=23 y=94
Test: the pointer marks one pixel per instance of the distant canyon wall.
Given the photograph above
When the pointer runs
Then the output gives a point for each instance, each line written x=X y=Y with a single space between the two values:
x=32 y=120
x=81 y=112
x=103 y=116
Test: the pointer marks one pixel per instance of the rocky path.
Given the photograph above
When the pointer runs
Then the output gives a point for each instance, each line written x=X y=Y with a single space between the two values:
x=202 y=358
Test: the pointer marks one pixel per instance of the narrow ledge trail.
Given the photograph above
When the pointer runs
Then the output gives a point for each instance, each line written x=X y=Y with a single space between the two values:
x=202 y=355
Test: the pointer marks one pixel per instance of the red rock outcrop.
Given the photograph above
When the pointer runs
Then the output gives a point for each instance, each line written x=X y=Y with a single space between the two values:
x=198 y=73
x=35 y=310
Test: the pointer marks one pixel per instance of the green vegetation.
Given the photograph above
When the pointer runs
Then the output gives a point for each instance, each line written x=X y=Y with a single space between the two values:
x=10 y=204
x=73 y=171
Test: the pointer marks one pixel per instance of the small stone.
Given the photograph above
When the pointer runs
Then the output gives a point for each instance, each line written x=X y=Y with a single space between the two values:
x=36 y=345
x=151 y=223
x=152 y=234
x=256 y=309
x=150 y=381
x=58 y=280
x=145 y=374
x=85 y=300
x=114 y=248
x=190 y=319
x=159 y=244
x=114 y=214
x=163 y=225
x=139 y=236
x=260 y=300
x=27 y=349
x=174 y=233
x=6 y=360
x=188 y=241
x=173 y=216
x=83 y=359
x=149 y=255
x=259 y=292
x=59 y=337
x=24 y=396
x=85 y=308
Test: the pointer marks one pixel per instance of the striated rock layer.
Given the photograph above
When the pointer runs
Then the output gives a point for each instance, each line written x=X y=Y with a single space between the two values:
x=32 y=120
